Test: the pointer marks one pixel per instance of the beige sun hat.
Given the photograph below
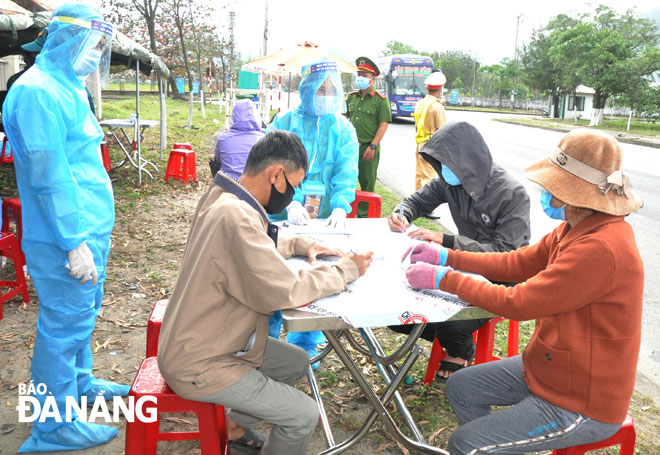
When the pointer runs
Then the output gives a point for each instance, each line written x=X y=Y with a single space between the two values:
x=584 y=170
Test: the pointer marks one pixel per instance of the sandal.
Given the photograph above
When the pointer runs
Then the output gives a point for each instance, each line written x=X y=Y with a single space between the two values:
x=453 y=367
x=251 y=441
x=446 y=365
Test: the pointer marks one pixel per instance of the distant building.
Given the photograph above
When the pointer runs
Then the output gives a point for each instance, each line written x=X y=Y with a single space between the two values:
x=579 y=105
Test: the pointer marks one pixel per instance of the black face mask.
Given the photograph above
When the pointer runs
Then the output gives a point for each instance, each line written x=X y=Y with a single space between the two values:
x=278 y=201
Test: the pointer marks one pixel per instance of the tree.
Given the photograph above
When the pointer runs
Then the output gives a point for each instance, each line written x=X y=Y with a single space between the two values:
x=133 y=15
x=177 y=11
x=397 y=47
x=600 y=50
x=650 y=107
x=500 y=78
x=637 y=91
x=457 y=84
x=455 y=65
x=539 y=70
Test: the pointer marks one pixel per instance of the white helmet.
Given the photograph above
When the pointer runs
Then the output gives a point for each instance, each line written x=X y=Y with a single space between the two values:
x=435 y=81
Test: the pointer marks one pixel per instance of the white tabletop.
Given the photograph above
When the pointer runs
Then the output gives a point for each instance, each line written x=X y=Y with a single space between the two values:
x=125 y=123
x=382 y=296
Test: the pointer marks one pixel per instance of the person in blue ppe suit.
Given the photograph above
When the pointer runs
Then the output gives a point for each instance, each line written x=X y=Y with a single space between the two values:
x=68 y=215
x=332 y=147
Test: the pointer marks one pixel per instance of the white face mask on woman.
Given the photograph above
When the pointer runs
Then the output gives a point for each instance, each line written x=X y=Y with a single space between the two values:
x=87 y=63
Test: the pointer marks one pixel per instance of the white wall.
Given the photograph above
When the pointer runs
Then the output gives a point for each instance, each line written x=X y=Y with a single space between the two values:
x=584 y=114
x=9 y=66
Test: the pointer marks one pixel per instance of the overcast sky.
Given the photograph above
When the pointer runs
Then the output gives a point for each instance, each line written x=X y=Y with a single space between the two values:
x=486 y=29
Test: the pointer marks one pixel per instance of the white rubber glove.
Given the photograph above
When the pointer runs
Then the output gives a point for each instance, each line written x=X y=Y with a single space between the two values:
x=81 y=264
x=337 y=219
x=297 y=214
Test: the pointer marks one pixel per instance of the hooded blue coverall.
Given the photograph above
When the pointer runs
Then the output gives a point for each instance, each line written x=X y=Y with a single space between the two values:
x=332 y=148
x=66 y=198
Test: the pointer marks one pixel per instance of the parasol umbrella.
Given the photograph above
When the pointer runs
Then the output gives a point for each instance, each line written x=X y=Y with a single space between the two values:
x=287 y=61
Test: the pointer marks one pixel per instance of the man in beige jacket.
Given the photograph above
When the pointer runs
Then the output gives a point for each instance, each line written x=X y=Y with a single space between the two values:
x=214 y=343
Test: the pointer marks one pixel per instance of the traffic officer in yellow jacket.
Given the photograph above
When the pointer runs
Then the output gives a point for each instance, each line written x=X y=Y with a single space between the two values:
x=429 y=117
x=369 y=112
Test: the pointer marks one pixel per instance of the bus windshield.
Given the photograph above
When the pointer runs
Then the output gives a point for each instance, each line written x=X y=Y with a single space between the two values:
x=409 y=80
x=402 y=79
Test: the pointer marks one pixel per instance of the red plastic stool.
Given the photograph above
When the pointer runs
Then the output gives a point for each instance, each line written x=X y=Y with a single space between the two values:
x=153 y=327
x=105 y=156
x=181 y=165
x=9 y=248
x=9 y=158
x=11 y=210
x=485 y=339
x=374 y=200
x=625 y=437
x=142 y=437
x=182 y=146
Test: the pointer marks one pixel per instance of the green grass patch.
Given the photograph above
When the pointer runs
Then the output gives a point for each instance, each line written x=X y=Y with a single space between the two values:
x=200 y=135
x=489 y=109
x=129 y=86
x=615 y=124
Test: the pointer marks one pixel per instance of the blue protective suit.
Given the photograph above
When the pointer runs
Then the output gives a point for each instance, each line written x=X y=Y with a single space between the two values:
x=66 y=198
x=332 y=147
x=330 y=141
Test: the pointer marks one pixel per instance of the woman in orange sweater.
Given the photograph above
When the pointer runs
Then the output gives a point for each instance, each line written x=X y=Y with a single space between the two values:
x=583 y=283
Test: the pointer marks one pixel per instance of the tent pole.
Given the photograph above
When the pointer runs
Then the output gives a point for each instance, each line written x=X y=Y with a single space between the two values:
x=137 y=119
x=162 y=87
x=288 y=101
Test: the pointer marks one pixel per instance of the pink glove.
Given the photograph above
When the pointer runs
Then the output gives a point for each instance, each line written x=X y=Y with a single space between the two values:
x=426 y=252
x=426 y=276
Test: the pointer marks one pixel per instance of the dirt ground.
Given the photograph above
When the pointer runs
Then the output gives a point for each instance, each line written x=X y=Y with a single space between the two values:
x=147 y=244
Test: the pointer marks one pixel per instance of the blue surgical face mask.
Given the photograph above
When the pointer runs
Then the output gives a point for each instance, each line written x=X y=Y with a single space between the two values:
x=324 y=104
x=87 y=63
x=449 y=176
x=556 y=213
x=362 y=82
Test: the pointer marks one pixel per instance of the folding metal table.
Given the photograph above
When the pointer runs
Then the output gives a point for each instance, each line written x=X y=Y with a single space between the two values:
x=133 y=153
x=296 y=320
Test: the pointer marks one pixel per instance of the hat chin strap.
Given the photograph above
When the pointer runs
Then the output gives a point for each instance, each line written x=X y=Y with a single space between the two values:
x=617 y=180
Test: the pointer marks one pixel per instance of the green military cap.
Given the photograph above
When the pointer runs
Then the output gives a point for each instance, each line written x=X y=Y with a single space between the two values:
x=365 y=64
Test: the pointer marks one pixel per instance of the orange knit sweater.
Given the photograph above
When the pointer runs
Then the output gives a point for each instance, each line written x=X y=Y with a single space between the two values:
x=584 y=286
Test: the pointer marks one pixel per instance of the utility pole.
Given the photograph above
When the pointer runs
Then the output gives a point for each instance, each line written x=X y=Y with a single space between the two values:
x=474 y=79
x=266 y=30
x=232 y=60
x=515 y=52
x=515 y=62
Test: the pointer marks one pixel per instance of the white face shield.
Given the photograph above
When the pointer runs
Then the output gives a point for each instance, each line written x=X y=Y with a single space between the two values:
x=95 y=50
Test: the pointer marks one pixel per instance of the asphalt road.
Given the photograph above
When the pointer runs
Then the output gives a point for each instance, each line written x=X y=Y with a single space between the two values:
x=514 y=147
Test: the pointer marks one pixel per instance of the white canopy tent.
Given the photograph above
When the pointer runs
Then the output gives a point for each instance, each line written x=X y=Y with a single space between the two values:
x=19 y=25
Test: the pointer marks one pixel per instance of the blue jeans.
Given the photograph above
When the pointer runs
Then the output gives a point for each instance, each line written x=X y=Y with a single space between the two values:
x=530 y=424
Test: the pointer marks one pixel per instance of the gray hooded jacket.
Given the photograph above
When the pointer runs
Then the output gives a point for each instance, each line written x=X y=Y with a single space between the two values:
x=490 y=207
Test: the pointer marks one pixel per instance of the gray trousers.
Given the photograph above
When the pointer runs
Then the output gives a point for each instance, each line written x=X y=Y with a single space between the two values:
x=267 y=394
x=530 y=424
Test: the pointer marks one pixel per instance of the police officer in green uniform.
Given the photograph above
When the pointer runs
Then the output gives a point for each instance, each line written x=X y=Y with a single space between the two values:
x=369 y=112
